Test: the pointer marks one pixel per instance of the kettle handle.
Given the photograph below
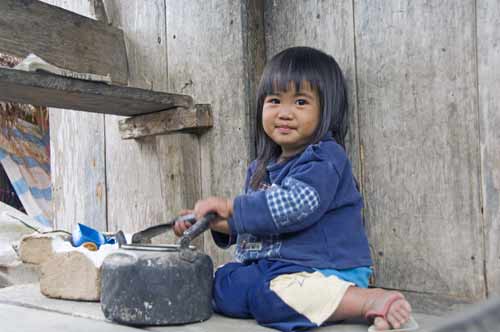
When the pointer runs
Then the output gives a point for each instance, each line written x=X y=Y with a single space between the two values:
x=199 y=227
x=145 y=235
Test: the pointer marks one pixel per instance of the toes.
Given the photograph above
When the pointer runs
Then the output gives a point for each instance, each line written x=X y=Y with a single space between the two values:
x=396 y=307
x=395 y=320
x=381 y=324
x=407 y=306
x=398 y=315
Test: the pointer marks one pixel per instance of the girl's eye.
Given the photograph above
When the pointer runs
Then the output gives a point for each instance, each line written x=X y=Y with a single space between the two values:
x=273 y=101
x=301 y=102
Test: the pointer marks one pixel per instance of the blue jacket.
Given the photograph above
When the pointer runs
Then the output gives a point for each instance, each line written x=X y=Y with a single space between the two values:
x=309 y=213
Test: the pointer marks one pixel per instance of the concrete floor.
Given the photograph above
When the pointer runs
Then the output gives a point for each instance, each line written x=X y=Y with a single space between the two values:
x=24 y=308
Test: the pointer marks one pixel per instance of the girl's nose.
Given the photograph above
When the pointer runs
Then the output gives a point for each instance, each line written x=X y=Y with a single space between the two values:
x=285 y=113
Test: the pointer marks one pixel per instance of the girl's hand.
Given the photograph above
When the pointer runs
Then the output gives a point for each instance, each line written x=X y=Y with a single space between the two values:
x=222 y=206
x=181 y=226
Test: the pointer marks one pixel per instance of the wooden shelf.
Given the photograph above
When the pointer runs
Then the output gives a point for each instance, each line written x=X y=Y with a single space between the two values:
x=196 y=120
x=43 y=89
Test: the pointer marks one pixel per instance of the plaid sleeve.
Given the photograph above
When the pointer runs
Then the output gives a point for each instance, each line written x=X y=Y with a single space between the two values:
x=292 y=201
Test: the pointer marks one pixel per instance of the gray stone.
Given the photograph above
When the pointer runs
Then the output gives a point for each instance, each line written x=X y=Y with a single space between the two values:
x=70 y=275
x=37 y=248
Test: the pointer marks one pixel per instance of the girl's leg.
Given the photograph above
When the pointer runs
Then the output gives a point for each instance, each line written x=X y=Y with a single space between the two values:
x=357 y=302
x=230 y=291
x=269 y=310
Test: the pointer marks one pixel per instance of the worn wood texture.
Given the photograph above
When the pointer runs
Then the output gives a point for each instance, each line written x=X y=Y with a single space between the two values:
x=77 y=159
x=195 y=120
x=62 y=38
x=488 y=52
x=419 y=133
x=135 y=197
x=209 y=57
x=150 y=179
x=328 y=26
x=56 y=91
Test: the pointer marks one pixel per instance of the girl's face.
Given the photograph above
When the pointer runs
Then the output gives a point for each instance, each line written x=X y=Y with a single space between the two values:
x=290 y=118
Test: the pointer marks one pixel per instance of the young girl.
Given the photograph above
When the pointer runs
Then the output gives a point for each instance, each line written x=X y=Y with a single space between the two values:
x=303 y=256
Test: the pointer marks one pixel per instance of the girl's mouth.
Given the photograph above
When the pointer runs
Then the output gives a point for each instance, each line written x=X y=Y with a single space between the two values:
x=284 y=129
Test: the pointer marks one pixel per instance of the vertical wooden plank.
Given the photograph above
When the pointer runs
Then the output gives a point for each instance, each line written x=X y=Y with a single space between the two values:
x=135 y=198
x=419 y=133
x=488 y=52
x=151 y=179
x=77 y=169
x=179 y=157
x=77 y=157
x=328 y=26
x=207 y=58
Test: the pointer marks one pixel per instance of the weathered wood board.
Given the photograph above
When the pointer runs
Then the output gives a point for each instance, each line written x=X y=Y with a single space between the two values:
x=488 y=52
x=77 y=159
x=133 y=171
x=149 y=180
x=325 y=25
x=195 y=120
x=55 y=91
x=209 y=57
x=63 y=38
x=419 y=133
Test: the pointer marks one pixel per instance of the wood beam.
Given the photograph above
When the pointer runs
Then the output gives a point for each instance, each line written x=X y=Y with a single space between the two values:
x=62 y=38
x=39 y=88
x=194 y=120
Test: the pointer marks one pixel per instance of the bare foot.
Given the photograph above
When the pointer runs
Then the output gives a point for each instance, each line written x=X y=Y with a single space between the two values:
x=390 y=310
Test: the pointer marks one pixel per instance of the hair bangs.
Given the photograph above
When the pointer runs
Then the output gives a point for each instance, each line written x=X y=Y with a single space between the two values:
x=290 y=72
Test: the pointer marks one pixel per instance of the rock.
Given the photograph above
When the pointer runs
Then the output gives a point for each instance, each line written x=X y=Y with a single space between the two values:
x=37 y=248
x=70 y=275
x=73 y=273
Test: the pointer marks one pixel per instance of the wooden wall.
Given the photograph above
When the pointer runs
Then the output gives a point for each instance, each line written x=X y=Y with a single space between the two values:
x=417 y=87
x=422 y=76
x=423 y=85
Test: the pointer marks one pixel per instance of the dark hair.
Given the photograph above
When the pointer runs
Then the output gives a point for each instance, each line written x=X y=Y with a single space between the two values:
x=294 y=66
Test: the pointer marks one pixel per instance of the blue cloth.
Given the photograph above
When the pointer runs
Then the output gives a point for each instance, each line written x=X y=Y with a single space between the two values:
x=308 y=214
x=242 y=291
x=360 y=276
